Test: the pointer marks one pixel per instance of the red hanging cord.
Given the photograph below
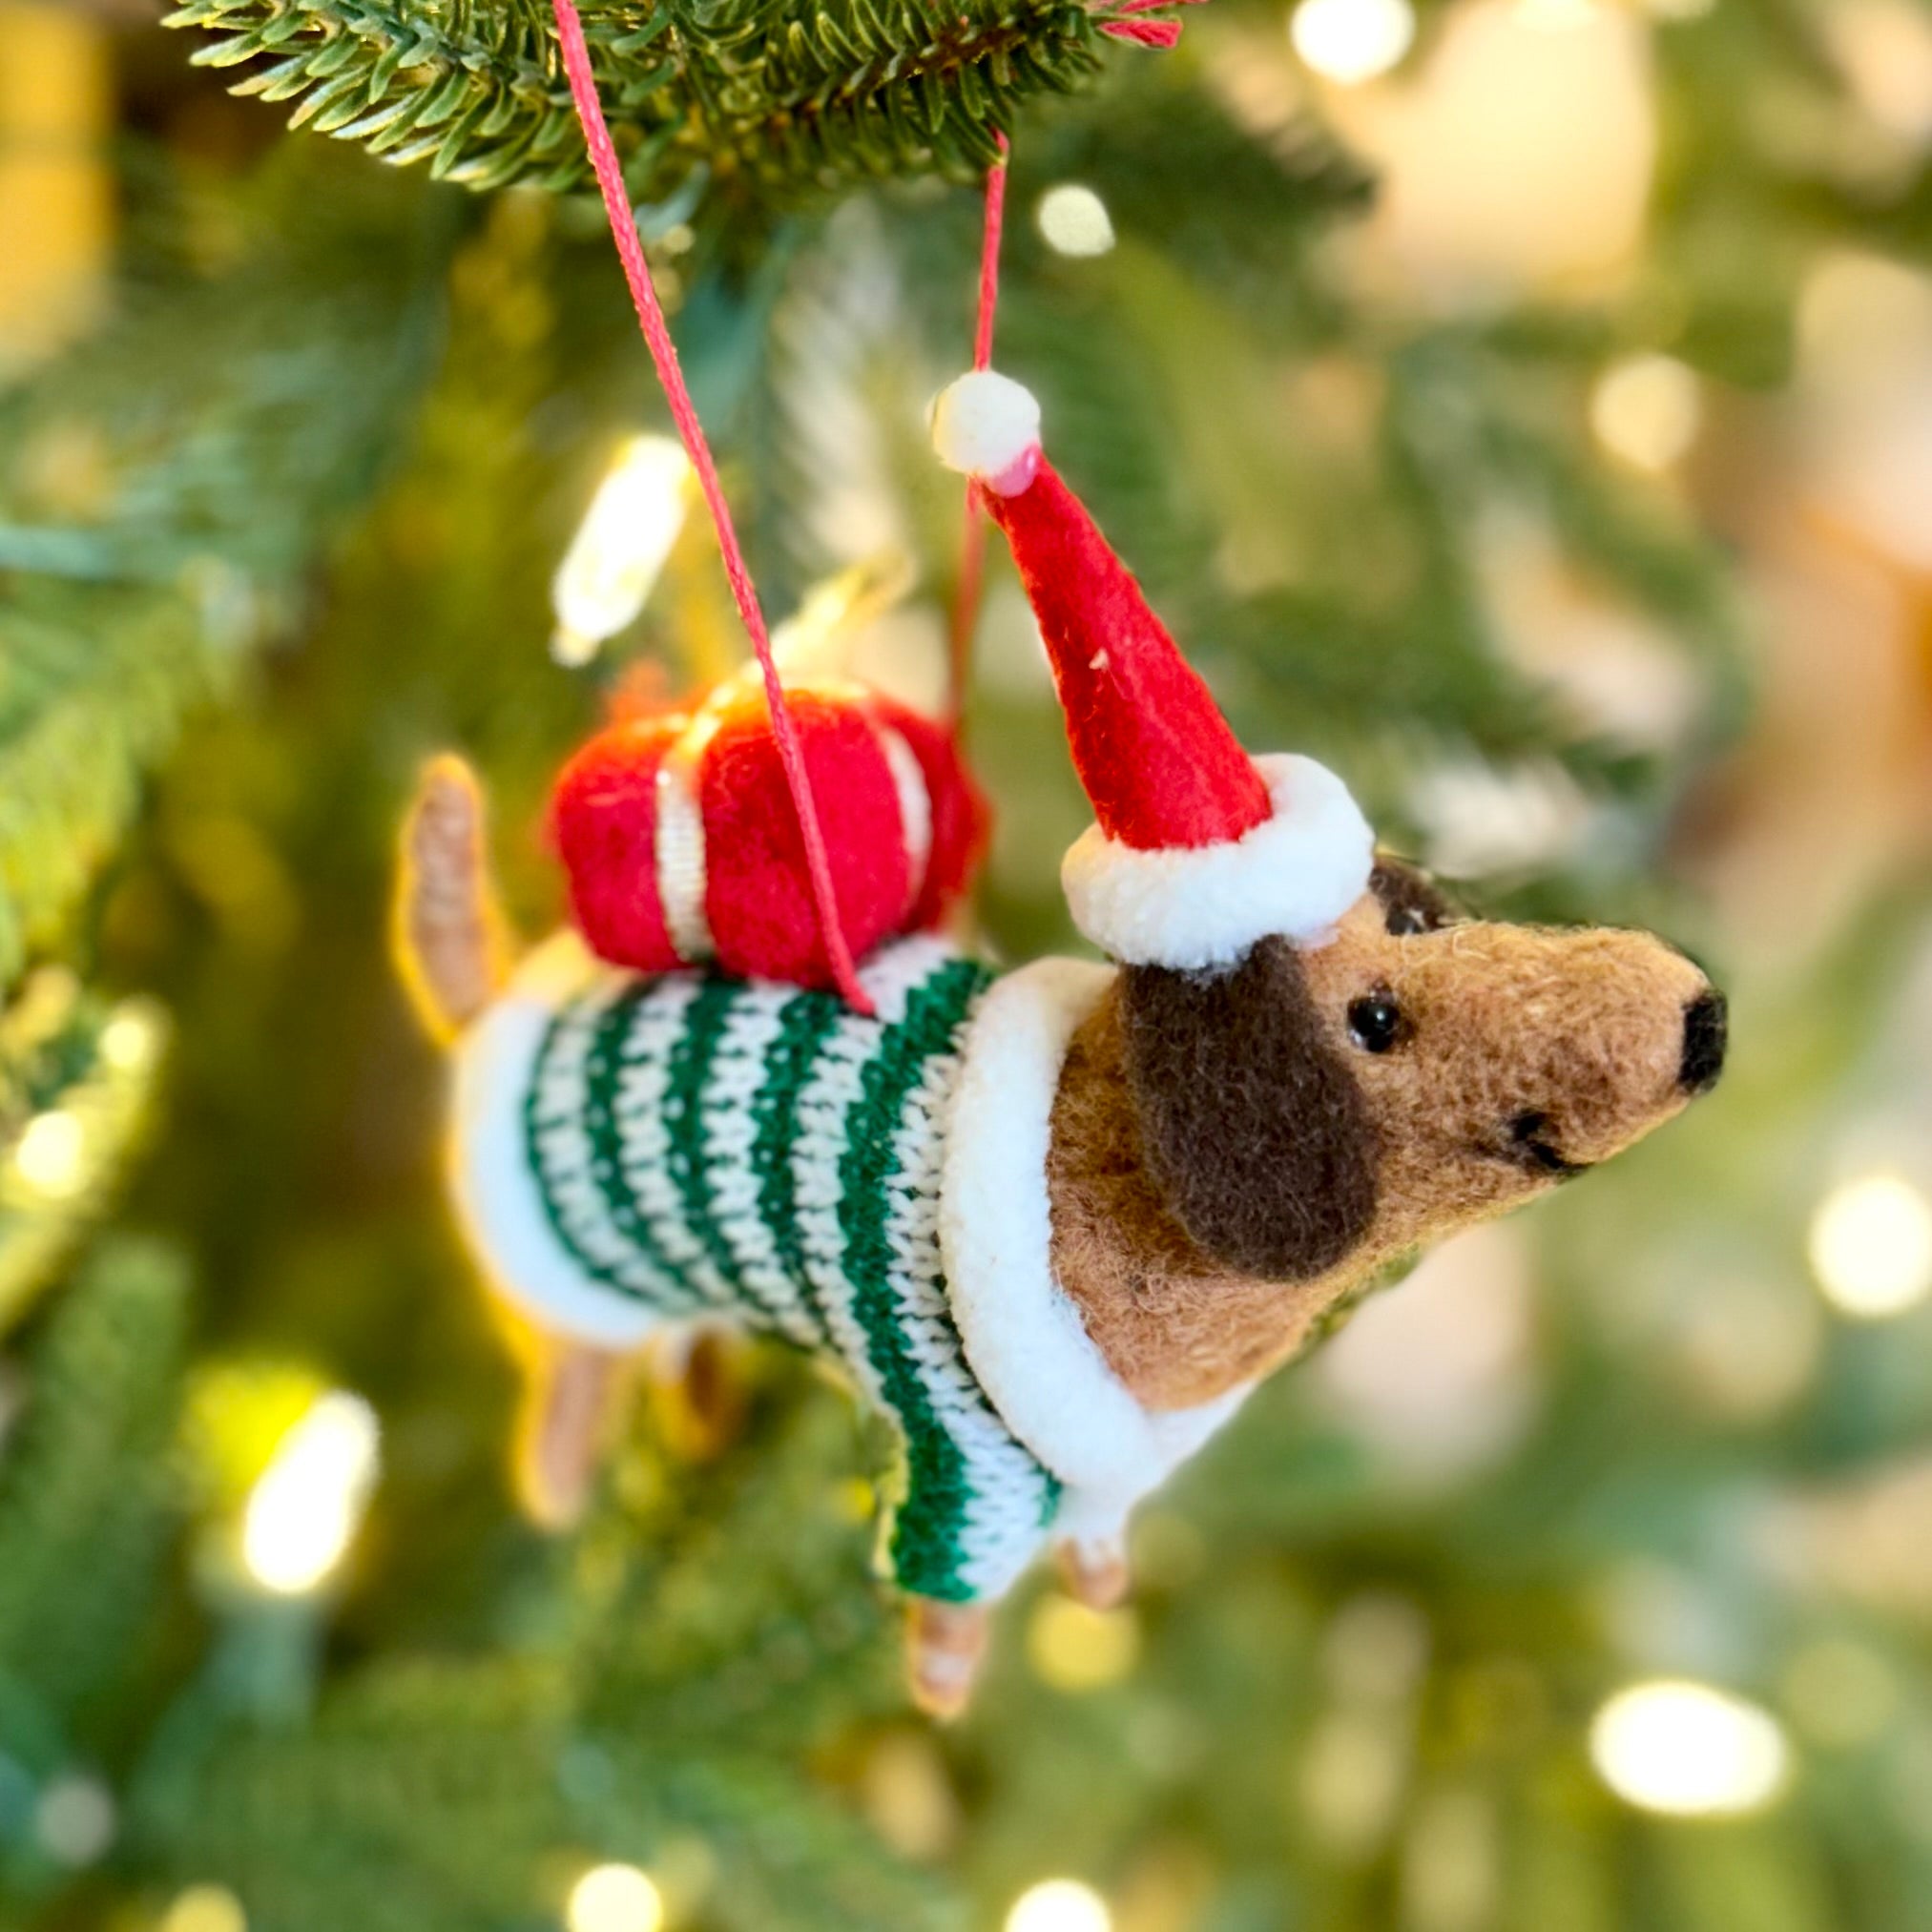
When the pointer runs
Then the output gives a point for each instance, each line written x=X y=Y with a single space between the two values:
x=664 y=354
x=972 y=549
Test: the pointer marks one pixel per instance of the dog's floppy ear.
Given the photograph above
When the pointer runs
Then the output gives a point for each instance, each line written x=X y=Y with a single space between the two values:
x=1251 y=1124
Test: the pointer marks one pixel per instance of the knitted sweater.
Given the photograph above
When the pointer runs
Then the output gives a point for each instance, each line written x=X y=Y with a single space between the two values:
x=635 y=1151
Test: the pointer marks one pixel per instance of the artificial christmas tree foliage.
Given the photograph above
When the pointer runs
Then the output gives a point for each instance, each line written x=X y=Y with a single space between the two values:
x=1573 y=1585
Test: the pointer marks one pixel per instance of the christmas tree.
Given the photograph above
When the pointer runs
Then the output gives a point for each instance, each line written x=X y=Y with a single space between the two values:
x=1519 y=404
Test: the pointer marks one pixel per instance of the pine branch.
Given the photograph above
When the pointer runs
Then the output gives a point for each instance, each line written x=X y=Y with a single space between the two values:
x=777 y=103
x=201 y=450
x=76 y=1080
x=85 y=1492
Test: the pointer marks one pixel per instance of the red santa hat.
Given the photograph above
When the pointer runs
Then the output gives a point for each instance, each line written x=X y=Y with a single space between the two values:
x=1198 y=850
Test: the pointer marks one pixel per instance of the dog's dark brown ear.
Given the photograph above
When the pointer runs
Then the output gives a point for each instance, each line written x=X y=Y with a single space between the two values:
x=1251 y=1124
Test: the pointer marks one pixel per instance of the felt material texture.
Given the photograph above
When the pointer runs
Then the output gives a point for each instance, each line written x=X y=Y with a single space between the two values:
x=1524 y=1054
x=984 y=423
x=960 y=820
x=1154 y=752
x=450 y=939
x=1252 y=1124
x=758 y=896
x=603 y=817
x=682 y=845
x=1292 y=875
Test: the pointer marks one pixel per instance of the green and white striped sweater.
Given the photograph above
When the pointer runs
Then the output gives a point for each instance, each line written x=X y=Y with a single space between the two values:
x=633 y=1152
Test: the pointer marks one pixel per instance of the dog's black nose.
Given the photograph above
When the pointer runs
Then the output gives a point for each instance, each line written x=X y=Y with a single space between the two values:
x=1706 y=1024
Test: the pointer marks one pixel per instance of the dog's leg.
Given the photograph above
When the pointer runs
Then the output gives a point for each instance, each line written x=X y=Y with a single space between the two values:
x=945 y=1645
x=450 y=938
x=1093 y=1569
x=568 y=1404
x=698 y=1389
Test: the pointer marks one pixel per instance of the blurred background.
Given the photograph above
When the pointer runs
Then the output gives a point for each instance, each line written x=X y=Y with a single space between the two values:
x=1526 y=406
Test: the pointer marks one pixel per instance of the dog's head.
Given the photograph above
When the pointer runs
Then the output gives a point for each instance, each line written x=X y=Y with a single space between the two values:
x=1419 y=1071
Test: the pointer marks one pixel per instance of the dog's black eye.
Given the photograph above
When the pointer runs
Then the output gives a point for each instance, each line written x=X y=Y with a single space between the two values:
x=1375 y=1022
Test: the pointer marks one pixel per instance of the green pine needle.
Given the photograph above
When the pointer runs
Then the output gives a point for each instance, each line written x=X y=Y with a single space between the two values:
x=774 y=104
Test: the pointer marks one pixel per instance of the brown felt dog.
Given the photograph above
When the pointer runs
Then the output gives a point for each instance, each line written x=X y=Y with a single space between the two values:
x=1232 y=1152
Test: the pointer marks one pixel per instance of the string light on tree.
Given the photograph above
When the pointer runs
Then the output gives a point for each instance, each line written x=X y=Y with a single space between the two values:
x=1688 y=1750
x=1556 y=16
x=620 y=547
x=1871 y=1247
x=130 y=1041
x=1059 y=1905
x=75 y=1820
x=1647 y=410
x=1075 y=220
x=1073 y=1647
x=51 y=1154
x=205 y=1909
x=1352 y=41
x=305 y=1509
x=614 y=1899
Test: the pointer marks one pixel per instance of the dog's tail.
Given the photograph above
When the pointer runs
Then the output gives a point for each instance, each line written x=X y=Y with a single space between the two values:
x=451 y=942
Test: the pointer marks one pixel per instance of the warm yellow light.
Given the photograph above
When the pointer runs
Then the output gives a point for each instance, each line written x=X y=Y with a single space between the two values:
x=1060 y=1905
x=620 y=547
x=1871 y=1246
x=128 y=1041
x=1351 y=41
x=1688 y=1750
x=205 y=1909
x=1553 y=17
x=614 y=1899
x=52 y=1155
x=1647 y=409
x=1077 y=1648
x=1075 y=220
x=304 y=1508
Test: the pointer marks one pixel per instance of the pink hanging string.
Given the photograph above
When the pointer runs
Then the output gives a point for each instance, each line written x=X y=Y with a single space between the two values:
x=972 y=550
x=664 y=354
x=1126 y=20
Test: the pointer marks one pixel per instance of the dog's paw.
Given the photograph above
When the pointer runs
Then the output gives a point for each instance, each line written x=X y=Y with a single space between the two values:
x=1094 y=1571
x=945 y=1643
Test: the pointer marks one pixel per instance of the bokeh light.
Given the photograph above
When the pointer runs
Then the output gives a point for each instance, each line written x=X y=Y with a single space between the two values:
x=1647 y=409
x=1688 y=1750
x=1075 y=220
x=1871 y=1247
x=1060 y=1905
x=614 y=1899
x=304 y=1511
x=205 y=1909
x=75 y=1820
x=620 y=547
x=1556 y=16
x=1077 y=1648
x=51 y=1154
x=1351 y=41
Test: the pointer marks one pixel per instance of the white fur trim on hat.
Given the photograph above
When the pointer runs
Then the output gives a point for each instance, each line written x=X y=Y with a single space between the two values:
x=497 y=1196
x=1022 y=1334
x=1191 y=907
x=986 y=426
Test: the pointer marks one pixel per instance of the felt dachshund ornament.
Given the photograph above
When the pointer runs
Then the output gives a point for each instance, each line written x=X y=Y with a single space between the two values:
x=1056 y=1221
